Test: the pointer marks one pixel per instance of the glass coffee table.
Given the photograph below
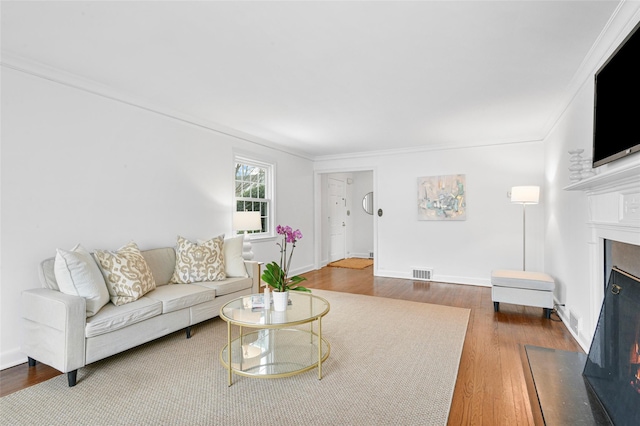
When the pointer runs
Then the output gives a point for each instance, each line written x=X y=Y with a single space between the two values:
x=280 y=344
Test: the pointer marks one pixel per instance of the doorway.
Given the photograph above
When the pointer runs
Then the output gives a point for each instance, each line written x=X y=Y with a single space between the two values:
x=343 y=228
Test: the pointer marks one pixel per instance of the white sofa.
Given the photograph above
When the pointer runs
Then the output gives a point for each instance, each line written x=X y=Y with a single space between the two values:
x=58 y=332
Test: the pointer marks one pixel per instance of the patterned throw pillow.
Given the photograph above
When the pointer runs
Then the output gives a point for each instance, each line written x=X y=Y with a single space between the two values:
x=126 y=273
x=199 y=262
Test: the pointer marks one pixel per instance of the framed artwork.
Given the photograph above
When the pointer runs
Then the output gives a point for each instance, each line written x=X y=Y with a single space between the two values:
x=442 y=198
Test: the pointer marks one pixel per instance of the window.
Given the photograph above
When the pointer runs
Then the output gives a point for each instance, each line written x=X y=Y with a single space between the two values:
x=254 y=191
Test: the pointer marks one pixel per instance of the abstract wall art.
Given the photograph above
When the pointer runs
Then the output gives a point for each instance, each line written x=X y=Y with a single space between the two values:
x=442 y=198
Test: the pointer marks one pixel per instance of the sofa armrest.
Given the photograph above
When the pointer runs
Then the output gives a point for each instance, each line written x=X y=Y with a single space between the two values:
x=255 y=271
x=54 y=328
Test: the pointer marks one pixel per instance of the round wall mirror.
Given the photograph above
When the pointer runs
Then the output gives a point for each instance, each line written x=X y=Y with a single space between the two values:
x=367 y=203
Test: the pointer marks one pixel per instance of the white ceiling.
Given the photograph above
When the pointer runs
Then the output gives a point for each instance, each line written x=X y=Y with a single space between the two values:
x=327 y=78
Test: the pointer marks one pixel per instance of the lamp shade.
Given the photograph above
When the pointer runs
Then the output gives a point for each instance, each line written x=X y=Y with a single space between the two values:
x=246 y=221
x=525 y=194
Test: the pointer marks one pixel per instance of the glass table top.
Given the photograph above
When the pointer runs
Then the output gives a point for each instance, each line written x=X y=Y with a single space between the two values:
x=249 y=311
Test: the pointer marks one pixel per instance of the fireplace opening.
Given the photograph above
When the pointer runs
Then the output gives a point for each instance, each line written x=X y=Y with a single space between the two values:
x=621 y=255
x=612 y=368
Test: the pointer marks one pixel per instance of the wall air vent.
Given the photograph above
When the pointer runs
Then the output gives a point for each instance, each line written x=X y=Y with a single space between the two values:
x=422 y=274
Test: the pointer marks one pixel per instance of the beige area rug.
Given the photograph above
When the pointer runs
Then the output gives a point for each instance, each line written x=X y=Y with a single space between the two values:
x=392 y=362
x=352 y=263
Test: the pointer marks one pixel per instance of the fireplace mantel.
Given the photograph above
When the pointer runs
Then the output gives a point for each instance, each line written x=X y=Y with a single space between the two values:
x=613 y=198
x=609 y=180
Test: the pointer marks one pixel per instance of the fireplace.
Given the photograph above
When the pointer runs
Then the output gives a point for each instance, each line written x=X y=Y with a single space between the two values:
x=612 y=368
x=613 y=207
x=602 y=387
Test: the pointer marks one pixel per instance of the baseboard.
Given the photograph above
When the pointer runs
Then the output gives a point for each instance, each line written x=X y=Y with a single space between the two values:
x=582 y=341
x=302 y=270
x=360 y=255
x=480 y=282
x=452 y=279
x=11 y=358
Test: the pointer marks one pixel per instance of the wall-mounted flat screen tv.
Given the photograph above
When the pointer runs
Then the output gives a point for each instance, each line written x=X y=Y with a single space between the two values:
x=616 y=124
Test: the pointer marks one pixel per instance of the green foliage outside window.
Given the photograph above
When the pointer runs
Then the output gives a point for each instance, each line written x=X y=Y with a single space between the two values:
x=251 y=191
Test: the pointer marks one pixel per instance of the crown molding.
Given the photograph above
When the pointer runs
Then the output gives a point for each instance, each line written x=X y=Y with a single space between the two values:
x=622 y=21
x=40 y=70
x=37 y=69
x=420 y=149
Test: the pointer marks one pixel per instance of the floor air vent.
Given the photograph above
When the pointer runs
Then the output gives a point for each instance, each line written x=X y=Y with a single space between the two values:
x=423 y=274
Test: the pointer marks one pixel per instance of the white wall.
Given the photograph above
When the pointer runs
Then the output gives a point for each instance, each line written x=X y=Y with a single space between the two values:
x=566 y=231
x=81 y=168
x=460 y=251
x=361 y=230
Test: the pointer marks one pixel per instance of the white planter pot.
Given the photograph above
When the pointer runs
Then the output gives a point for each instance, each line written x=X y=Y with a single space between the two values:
x=280 y=300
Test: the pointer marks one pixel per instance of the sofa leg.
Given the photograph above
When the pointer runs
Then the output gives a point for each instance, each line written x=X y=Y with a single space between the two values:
x=189 y=332
x=71 y=378
x=547 y=313
x=496 y=306
x=32 y=362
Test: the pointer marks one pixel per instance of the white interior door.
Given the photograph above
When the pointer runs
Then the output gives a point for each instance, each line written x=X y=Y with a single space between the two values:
x=337 y=217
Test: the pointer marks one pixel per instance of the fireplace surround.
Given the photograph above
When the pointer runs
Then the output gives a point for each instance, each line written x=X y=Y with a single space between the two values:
x=613 y=201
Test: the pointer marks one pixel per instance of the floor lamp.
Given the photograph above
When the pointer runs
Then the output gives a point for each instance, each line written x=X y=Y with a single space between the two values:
x=524 y=195
x=247 y=221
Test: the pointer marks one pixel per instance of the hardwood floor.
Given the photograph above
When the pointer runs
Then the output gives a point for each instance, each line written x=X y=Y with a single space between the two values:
x=491 y=387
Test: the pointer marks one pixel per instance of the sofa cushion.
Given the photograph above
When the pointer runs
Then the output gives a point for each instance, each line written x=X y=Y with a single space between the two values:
x=161 y=262
x=175 y=297
x=78 y=274
x=233 y=261
x=126 y=273
x=199 y=262
x=230 y=285
x=112 y=317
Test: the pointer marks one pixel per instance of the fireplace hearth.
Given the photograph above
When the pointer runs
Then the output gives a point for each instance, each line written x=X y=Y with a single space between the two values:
x=603 y=387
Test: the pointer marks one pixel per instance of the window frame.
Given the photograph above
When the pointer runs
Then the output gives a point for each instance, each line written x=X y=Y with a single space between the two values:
x=269 y=193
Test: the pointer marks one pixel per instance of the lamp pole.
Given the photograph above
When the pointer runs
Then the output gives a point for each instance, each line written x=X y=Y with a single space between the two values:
x=525 y=195
x=524 y=235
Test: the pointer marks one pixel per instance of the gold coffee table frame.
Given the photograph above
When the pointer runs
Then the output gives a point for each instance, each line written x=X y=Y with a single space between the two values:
x=276 y=348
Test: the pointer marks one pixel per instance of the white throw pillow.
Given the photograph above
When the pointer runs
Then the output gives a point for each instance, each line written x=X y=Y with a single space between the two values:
x=233 y=260
x=78 y=274
x=126 y=273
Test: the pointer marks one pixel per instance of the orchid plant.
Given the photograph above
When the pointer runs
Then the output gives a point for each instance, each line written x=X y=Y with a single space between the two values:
x=276 y=274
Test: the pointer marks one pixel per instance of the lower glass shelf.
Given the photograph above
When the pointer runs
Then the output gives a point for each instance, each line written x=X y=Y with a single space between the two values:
x=272 y=353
